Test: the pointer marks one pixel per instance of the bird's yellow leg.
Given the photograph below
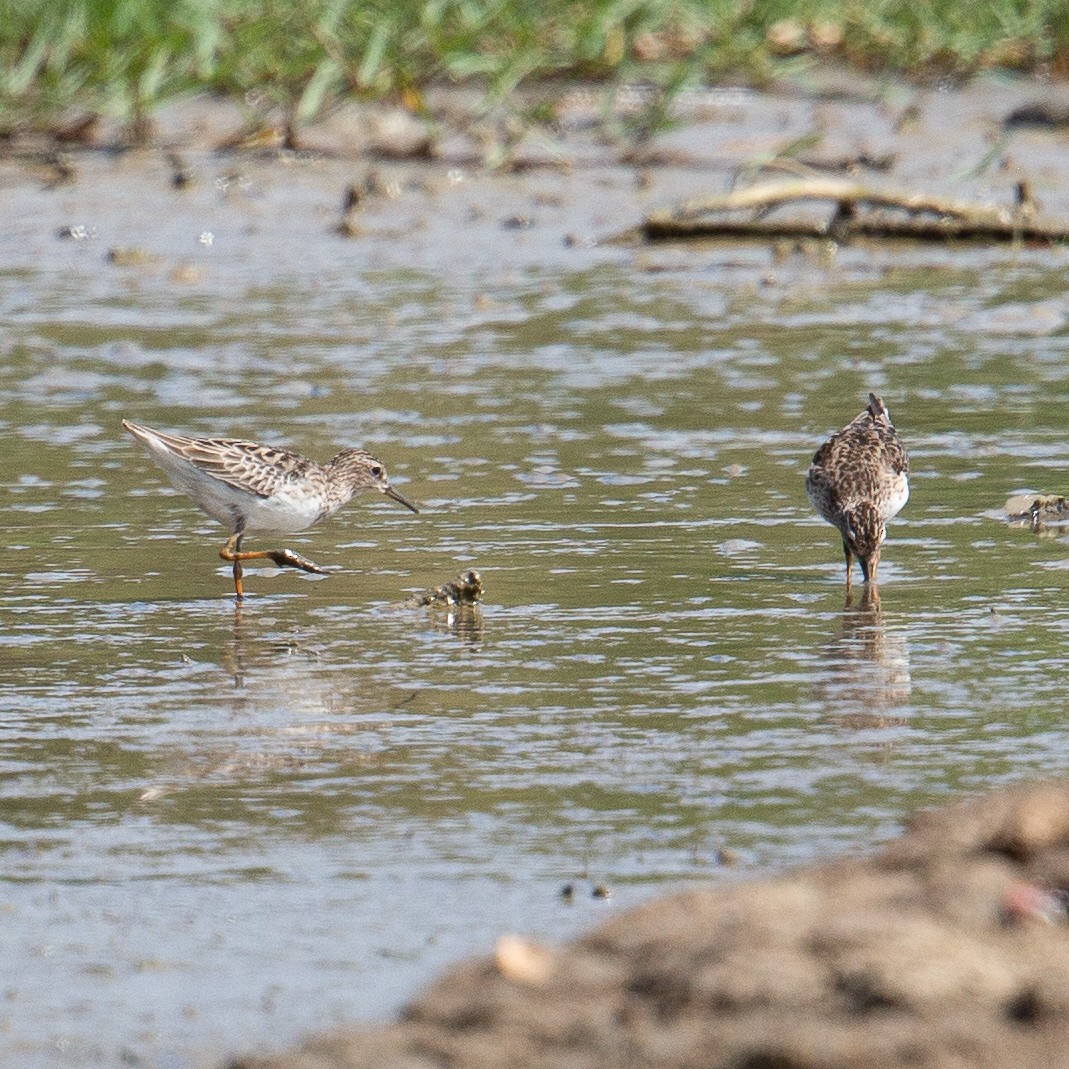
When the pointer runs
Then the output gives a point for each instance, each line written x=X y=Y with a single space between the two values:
x=284 y=558
x=849 y=566
x=230 y=552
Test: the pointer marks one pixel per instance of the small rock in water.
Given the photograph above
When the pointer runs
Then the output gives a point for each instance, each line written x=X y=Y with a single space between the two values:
x=130 y=257
x=76 y=232
x=352 y=203
x=181 y=176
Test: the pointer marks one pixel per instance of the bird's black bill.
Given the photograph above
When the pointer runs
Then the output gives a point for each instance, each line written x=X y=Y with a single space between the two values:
x=389 y=491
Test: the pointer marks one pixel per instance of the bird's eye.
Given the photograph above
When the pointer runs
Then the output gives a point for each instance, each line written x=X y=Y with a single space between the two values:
x=376 y=472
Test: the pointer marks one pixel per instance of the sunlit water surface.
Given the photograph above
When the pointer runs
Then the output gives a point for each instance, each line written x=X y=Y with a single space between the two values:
x=222 y=828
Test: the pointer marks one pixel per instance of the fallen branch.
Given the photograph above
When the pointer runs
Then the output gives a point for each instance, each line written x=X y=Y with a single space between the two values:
x=857 y=210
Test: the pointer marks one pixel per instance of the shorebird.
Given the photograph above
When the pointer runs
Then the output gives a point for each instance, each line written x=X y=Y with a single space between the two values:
x=859 y=479
x=262 y=489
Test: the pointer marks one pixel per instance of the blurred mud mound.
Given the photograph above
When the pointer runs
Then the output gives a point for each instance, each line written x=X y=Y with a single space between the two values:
x=950 y=947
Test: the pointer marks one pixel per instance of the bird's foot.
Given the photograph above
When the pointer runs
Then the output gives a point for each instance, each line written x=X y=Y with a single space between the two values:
x=286 y=558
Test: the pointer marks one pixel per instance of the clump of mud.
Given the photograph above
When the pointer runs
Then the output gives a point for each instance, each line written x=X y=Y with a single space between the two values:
x=1037 y=510
x=950 y=947
x=465 y=589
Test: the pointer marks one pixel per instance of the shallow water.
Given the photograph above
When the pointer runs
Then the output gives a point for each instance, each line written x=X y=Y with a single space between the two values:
x=221 y=828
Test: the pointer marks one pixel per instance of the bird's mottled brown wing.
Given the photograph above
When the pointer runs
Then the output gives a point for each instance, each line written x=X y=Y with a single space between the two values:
x=823 y=481
x=257 y=469
x=854 y=464
x=894 y=453
x=260 y=469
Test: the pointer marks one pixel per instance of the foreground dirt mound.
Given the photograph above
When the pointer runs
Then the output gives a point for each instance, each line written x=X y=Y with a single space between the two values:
x=948 y=948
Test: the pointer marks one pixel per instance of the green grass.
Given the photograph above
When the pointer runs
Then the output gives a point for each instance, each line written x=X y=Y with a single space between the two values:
x=294 y=59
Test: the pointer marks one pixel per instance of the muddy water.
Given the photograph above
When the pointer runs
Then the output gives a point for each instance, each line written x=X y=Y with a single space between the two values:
x=222 y=828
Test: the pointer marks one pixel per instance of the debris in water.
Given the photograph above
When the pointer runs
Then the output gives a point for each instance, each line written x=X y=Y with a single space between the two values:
x=134 y=256
x=1037 y=509
x=466 y=589
x=181 y=176
x=352 y=202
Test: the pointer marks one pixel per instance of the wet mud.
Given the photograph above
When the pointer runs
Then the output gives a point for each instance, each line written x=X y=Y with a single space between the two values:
x=948 y=947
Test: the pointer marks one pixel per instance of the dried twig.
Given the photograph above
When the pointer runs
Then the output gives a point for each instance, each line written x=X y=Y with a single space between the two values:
x=857 y=210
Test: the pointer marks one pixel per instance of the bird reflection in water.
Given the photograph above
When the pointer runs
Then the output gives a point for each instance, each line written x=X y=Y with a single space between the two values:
x=296 y=717
x=291 y=714
x=867 y=674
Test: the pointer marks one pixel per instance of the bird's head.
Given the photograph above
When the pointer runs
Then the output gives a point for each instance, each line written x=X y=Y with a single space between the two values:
x=359 y=470
x=864 y=532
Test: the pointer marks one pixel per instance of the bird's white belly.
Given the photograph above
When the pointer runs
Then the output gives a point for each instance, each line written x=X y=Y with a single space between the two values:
x=898 y=497
x=283 y=513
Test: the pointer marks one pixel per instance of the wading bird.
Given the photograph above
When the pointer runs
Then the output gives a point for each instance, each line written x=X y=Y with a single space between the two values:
x=859 y=479
x=262 y=489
